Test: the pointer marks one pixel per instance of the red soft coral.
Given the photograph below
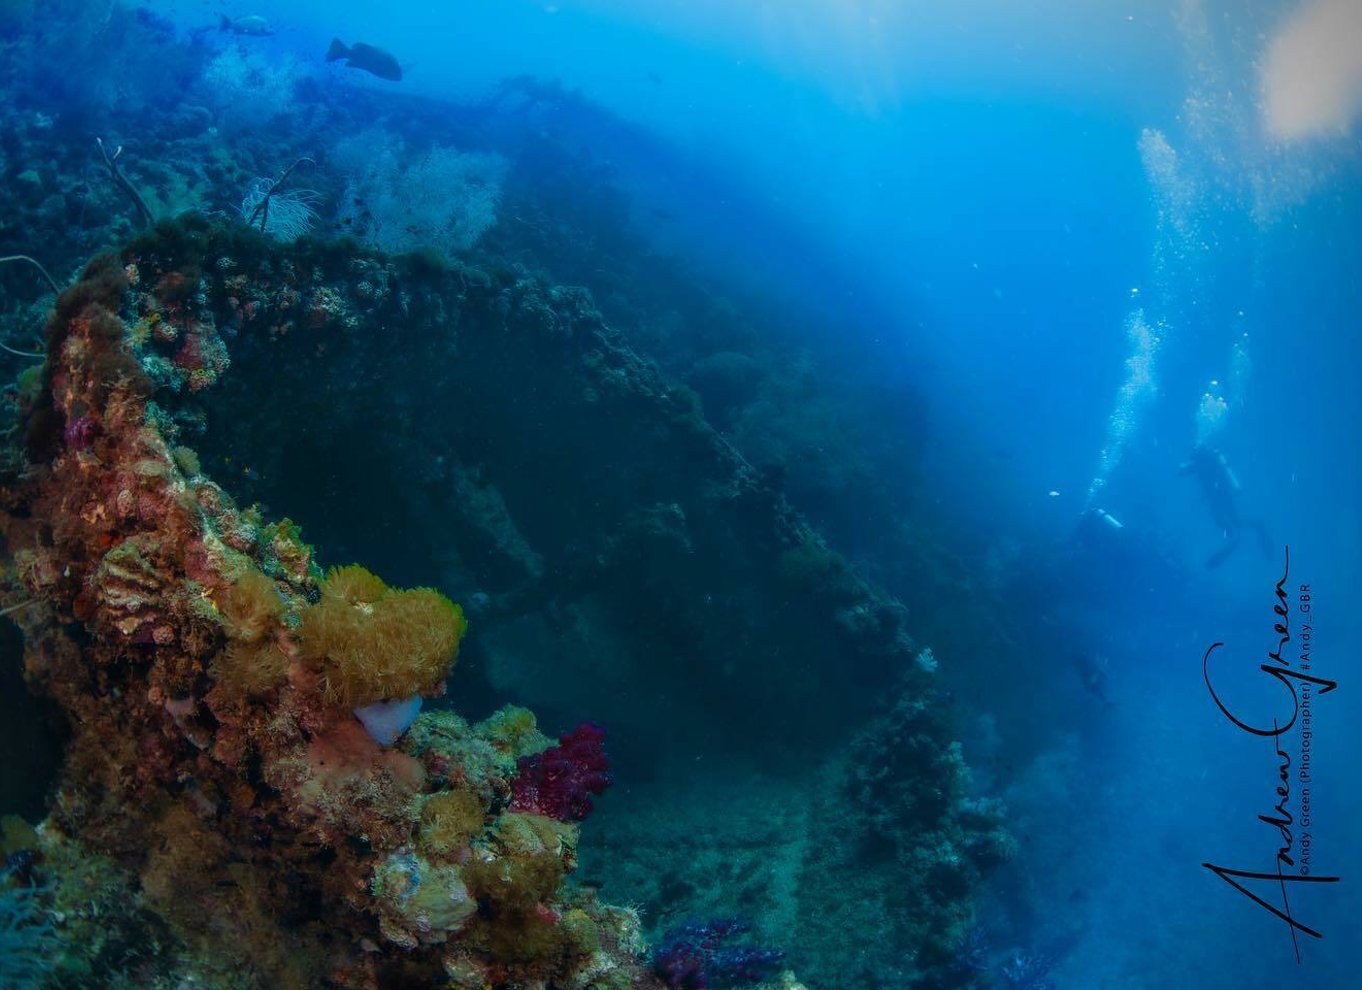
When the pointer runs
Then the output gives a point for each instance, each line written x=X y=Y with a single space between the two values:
x=559 y=782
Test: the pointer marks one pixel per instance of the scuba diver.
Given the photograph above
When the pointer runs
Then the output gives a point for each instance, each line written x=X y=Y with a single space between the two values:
x=1096 y=527
x=1106 y=560
x=1221 y=488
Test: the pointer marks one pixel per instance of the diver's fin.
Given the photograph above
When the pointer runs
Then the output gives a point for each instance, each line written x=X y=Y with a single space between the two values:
x=337 y=50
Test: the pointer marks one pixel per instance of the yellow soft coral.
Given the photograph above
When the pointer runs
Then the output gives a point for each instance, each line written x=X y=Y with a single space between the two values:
x=252 y=614
x=251 y=607
x=374 y=643
x=449 y=821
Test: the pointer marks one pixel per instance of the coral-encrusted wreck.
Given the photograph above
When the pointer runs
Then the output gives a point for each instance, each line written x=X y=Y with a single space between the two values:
x=211 y=673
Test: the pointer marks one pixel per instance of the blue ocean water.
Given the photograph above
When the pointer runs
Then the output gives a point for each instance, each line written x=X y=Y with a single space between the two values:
x=1043 y=316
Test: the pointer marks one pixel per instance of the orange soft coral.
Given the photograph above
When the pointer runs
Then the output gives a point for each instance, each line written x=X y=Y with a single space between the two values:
x=252 y=662
x=251 y=607
x=373 y=643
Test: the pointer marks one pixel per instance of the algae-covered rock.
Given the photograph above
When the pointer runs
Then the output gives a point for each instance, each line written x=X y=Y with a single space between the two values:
x=209 y=673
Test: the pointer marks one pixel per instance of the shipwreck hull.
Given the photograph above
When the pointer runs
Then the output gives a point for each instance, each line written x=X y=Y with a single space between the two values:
x=482 y=431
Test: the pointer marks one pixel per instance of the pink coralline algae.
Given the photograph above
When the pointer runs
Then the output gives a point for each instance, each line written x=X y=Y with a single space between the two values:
x=558 y=783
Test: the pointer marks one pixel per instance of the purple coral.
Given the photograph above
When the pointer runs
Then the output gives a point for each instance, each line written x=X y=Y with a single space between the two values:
x=79 y=433
x=694 y=956
x=559 y=782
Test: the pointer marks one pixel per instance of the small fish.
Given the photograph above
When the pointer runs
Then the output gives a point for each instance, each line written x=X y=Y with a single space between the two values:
x=361 y=56
x=251 y=24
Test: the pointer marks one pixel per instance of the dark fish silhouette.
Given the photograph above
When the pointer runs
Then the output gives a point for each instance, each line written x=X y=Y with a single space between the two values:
x=251 y=24
x=361 y=56
x=1092 y=669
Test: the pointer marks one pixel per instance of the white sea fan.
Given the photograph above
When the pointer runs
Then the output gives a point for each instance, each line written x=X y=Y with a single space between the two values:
x=442 y=198
x=291 y=213
x=247 y=89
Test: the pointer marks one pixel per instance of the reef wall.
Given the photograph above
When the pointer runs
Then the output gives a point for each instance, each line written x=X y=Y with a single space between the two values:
x=212 y=676
x=485 y=433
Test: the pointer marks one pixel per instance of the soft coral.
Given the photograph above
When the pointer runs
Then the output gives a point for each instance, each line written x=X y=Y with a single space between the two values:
x=696 y=955
x=559 y=782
